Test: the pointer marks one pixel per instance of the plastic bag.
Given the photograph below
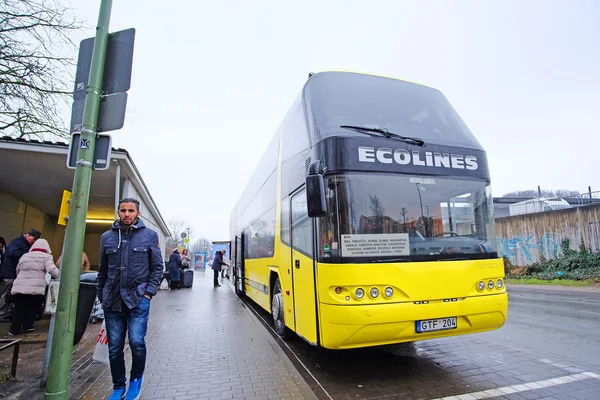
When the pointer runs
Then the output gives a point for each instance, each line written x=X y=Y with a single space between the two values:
x=101 y=350
x=164 y=285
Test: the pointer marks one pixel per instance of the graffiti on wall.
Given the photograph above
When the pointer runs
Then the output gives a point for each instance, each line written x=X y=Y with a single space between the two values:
x=523 y=250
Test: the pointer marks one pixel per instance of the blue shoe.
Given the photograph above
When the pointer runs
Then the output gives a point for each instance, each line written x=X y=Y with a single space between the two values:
x=135 y=389
x=117 y=394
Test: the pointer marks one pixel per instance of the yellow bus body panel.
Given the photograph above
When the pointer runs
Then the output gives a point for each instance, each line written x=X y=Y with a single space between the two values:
x=449 y=289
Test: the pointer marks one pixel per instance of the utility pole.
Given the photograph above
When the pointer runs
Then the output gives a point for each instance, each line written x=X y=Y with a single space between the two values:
x=64 y=327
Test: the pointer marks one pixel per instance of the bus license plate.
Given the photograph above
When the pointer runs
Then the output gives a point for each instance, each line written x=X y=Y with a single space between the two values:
x=441 y=324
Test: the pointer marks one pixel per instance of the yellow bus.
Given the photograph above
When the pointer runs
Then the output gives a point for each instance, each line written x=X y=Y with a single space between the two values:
x=369 y=219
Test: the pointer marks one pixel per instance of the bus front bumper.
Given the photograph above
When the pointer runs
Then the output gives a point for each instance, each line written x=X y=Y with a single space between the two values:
x=345 y=327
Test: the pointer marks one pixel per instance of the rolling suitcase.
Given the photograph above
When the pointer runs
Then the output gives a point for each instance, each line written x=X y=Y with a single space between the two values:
x=188 y=278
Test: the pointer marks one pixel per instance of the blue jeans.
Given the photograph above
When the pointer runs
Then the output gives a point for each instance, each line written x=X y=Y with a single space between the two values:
x=135 y=323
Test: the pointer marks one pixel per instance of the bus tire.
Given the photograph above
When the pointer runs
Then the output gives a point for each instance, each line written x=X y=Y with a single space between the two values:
x=278 y=311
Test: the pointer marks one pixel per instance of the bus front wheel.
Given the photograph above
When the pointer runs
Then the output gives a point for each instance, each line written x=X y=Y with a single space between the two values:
x=277 y=310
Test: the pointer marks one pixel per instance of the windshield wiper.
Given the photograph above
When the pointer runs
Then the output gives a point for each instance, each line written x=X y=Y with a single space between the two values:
x=386 y=133
x=390 y=260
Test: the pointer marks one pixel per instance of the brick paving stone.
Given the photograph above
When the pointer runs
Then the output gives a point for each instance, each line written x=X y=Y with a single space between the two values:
x=203 y=343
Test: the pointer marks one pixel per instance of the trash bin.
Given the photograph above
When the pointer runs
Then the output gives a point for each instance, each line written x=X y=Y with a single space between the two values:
x=88 y=283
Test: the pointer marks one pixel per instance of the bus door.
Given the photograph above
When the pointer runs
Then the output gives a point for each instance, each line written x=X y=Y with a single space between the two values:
x=303 y=268
x=238 y=260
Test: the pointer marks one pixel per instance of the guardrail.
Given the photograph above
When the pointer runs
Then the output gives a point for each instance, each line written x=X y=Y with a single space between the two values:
x=16 y=345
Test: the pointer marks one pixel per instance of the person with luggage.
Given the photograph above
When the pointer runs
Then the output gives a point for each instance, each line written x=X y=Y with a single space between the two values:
x=224 y=271
x=129 y=273
x=216 y=266
x=187 y=275
x=175 y=270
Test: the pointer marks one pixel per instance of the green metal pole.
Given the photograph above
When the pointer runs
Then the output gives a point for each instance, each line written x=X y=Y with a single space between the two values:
x=61 y=354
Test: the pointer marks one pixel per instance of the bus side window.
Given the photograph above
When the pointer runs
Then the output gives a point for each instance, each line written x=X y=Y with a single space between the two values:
x=285 y=220
x=301 y=224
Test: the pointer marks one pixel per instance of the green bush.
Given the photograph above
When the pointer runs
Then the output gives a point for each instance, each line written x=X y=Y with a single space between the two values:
x=572 y=264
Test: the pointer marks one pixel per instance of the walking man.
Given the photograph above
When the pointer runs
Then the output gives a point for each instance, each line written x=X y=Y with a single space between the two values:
x=129 y=274
x=216 y=266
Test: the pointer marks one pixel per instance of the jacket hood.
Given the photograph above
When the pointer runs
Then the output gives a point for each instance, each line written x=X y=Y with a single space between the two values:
x=41 y=244
x=117 y=225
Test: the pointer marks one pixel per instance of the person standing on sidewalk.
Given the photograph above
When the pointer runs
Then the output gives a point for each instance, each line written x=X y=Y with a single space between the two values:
x=175 y=270
x=129 y=274
x=8 y=270
x=216 y=266
x=29 y=287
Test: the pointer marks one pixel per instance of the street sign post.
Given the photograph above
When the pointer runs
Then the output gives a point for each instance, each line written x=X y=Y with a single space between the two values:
x=117 y=67
x=102 y=151
x=111 y=115
x=65 y=203
x=103 y=69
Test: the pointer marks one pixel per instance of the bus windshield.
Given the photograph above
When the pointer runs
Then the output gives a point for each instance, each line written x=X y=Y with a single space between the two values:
x=382 y=217
x=408 y=109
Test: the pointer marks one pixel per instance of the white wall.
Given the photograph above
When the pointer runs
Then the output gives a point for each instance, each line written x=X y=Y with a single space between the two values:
x=17 y=217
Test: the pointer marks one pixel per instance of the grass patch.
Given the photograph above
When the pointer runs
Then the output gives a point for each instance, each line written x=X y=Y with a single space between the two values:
x=560 y=282
x=5 y=375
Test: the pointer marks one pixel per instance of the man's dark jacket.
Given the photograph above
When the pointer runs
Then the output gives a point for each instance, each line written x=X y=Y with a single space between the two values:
x=14 y=251
x=131 y=265
x=218 y=261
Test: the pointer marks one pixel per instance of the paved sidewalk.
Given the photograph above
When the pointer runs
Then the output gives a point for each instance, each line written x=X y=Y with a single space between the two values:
x=203 y=343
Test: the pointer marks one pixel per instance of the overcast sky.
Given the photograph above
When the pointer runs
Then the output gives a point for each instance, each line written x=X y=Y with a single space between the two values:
x=213 y=79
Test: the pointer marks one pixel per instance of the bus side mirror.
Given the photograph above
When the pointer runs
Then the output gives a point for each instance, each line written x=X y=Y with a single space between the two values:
x=315 y=191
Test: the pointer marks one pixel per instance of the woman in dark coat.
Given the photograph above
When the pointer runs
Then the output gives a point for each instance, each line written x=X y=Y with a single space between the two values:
x=175 y=269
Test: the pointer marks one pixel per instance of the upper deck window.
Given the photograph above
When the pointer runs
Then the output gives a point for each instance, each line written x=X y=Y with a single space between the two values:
x=407 y=109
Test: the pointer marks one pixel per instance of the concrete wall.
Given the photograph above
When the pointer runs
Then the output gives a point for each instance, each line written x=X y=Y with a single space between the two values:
x=17 y=217
x=525 y=239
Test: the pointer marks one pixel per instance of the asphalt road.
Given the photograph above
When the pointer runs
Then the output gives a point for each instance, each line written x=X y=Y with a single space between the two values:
x=551 y=333
x=554 y=319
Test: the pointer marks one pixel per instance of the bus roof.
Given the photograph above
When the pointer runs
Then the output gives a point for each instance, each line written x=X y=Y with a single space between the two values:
x=370 y=74
x=336 y=98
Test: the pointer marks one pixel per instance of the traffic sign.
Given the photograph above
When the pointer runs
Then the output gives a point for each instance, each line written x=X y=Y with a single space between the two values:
x=183 y=235
x=102 y=151
x=65 y=205
x=117 y=66
x=186 y=240
x=111 y=114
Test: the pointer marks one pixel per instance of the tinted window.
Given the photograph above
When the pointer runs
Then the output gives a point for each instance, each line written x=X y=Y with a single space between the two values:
x=285 y=220
x=405 y=108
x=295 y=132
x=261 y=235
x=301 y=224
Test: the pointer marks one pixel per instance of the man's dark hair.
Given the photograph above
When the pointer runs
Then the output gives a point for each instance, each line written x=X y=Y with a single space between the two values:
x=35 y=233
x=130 y=200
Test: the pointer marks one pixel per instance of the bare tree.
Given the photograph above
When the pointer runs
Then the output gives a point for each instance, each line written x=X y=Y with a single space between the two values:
x=176 y=227
x=36 y=60
x=202 y=244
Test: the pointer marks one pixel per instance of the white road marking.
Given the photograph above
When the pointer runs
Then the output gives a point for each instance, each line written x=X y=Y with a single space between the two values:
x=486 y=394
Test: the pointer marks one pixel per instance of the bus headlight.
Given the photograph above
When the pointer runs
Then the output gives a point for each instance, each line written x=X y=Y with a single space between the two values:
x=499 y=284
x=374 y=292
x=389 y=292
x=360 y=293
x=490 y=284
x=481 y=285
